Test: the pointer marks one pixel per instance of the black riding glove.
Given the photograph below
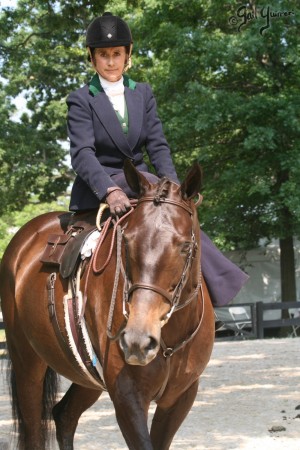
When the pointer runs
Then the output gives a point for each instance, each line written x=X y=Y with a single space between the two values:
x=117 y=201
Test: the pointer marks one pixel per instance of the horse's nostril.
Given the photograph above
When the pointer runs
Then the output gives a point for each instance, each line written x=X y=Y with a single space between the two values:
x=123 y=341
x=152 y=344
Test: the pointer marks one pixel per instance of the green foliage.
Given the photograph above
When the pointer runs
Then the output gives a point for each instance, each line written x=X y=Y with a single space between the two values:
x=228 y=99
x=12 y=221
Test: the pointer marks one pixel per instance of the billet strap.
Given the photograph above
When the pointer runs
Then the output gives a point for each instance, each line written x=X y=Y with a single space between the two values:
x=53 y=317
x=78 y=343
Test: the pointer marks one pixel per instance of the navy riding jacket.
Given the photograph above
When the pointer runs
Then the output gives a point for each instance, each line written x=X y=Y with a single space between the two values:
x=99 y=147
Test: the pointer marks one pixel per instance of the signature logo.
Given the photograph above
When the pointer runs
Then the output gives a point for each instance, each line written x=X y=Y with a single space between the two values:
x=244 y=15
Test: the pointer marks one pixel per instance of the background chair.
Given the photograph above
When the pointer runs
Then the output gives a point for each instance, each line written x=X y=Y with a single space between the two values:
x=241 y=319
x=294 y=313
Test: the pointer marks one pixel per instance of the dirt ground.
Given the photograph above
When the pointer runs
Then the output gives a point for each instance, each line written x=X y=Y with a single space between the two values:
x=249 y=399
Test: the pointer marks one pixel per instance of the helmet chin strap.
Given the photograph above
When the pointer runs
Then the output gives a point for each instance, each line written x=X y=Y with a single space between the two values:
x=128 y=63
x=91 y=57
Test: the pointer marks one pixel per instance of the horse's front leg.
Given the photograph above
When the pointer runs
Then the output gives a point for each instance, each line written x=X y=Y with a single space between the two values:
x=68 y=410
x=166 y=421
x=131 y=413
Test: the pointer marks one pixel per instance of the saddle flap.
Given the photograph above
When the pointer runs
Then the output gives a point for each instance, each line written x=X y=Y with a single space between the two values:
x=70 y=257
x=55 y=248
x=58 y=239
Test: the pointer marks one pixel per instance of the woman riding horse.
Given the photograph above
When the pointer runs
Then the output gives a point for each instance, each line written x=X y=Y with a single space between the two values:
x=113 y=118
x=144 y=331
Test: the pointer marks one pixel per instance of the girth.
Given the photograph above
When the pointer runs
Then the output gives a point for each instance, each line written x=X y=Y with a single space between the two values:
x=77 y=347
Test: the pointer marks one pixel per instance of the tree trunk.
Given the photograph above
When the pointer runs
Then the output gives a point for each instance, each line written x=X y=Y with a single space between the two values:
x=288 y=275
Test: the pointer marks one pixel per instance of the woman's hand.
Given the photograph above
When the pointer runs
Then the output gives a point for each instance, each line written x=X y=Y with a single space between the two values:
x=117 y=201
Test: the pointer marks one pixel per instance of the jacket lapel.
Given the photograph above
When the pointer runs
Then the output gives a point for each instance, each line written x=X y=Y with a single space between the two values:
x=106 y=114
x=110 y=122
x=135 y=108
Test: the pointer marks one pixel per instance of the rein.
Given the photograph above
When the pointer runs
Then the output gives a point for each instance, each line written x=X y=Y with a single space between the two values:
x=119 y=267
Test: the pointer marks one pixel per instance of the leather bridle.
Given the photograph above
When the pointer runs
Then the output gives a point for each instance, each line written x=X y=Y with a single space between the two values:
x=173 y=299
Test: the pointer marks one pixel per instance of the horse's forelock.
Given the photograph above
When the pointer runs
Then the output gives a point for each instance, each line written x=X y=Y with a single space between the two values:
x=162 y=189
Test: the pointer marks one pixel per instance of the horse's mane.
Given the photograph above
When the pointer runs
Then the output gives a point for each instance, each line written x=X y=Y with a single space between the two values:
x=162 y=189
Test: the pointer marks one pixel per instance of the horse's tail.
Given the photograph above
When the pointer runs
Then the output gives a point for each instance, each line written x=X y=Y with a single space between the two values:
x=49 y=399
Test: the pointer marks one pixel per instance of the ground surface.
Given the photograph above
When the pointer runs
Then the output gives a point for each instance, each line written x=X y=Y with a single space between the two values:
x=249 y=389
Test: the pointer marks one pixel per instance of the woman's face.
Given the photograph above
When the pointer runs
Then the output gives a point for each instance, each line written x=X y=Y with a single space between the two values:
x=110 y=62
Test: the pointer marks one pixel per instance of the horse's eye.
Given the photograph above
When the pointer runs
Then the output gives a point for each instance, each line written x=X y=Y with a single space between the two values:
x=185 y=248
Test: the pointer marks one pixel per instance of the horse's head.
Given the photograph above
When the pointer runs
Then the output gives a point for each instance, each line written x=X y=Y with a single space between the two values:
x=162 y=259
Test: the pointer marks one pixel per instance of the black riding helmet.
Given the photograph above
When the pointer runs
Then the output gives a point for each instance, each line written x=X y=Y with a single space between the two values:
x=108 y=31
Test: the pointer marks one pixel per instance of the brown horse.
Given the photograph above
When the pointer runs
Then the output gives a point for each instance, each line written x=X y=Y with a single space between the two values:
x=162 y=345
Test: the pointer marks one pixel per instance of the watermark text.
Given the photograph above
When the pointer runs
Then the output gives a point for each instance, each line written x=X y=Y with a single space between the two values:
x=266 y=14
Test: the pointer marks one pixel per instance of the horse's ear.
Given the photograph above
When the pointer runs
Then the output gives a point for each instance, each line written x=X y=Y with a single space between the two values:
x=136 y=181
x=191 y=185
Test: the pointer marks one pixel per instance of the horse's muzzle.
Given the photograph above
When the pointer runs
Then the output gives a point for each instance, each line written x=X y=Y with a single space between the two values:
x=139 y=349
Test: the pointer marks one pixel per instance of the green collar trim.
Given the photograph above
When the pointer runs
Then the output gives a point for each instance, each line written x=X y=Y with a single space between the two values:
x=128 y=82
x=95 y=85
